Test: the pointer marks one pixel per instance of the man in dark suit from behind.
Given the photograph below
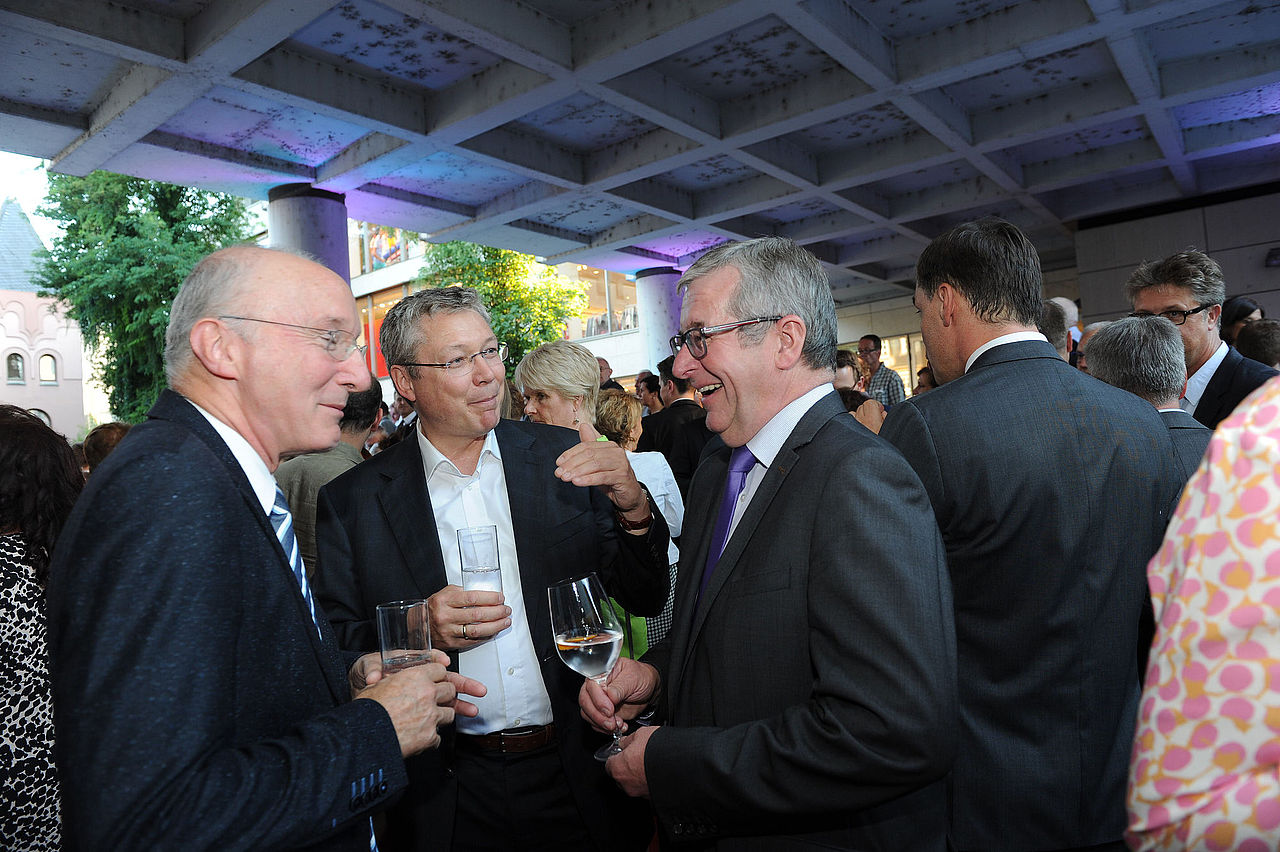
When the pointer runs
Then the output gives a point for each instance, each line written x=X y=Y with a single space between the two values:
x=679 y=431
x=1048 y=572
x=519 y=775
x=806 y=692
x=1188 y=289
x=200 y=701
x=1144 y=356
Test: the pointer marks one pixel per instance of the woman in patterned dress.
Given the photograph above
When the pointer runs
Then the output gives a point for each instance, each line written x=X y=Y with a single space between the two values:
x=39 y=482
x=1205 y=771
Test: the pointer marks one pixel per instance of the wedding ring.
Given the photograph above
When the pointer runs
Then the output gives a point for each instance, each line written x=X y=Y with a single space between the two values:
x=464 y=633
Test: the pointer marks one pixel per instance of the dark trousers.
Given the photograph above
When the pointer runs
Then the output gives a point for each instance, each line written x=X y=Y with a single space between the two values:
x=509 y=802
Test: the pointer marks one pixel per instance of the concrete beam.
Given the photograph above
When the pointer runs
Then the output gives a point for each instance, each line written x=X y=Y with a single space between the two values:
x=789 y=157
x=528 y=155
x=418 y=199
x=665 y=102
x=657 y=197
x=135 y=35
x=744 y=196
x=370 y=157
x=947 y=198
x=1204 y=74
x=1215 y=139
x=882 y=159
x=289 y=171
x=799 y=103
x=624 y=158
x=840 y=30
x=507 y=28
x=879 y=250
x=1053 y=109
x=143 y=100
x=1088 y=165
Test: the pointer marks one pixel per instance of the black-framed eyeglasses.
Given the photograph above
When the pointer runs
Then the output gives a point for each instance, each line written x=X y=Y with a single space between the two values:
x=463 y=364
x=1176 y=317
x=696 y=338
x=338 y=343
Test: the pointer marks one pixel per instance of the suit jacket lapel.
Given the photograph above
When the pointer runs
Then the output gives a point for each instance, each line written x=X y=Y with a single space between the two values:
x=176 y=408
x=407 y=507
x=750 y=522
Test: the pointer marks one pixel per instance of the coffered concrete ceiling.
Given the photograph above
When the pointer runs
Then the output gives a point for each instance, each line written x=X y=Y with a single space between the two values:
x=633 y=134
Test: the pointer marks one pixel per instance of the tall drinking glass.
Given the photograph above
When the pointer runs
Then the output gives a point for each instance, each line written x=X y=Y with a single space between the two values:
x=587 y=634
x=478 y=550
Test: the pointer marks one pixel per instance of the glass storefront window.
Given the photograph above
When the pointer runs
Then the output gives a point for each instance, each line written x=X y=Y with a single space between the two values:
x=904 y=354
x=380 y=246
x=611 y=302
x=373 y=309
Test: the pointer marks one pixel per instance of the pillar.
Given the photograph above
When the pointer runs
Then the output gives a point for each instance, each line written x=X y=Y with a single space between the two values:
x=659 y=311
x=304 y=218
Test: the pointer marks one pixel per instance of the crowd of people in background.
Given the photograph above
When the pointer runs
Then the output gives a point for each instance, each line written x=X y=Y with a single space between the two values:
x=1031 y=605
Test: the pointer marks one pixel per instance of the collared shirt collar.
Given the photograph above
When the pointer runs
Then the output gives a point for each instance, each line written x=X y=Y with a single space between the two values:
x=432 y=458
x=1015 y=337
x=1197 y=383
x=255 y=469
x=766 y=443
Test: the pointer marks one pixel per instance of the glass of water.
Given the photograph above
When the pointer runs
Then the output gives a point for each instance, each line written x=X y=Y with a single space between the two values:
x=404 y=634
x=478 y=547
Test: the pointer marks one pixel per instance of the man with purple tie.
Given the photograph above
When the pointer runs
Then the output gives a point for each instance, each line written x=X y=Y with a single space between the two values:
x=806 y=694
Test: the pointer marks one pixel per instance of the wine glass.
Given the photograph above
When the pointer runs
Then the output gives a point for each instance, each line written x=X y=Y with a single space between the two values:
x=587 y=634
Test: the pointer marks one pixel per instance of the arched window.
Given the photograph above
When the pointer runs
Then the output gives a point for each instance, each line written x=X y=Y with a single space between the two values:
x=48 y=370
x=16 y=368
x=44 y=416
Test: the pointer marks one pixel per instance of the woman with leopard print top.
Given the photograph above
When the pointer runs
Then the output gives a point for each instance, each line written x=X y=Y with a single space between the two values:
x=39 y=482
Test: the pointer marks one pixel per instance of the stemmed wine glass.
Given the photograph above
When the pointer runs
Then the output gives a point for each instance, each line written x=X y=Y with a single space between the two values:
x=587 y=634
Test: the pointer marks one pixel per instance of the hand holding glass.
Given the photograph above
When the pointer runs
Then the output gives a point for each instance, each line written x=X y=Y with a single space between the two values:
x=587 y=634
x=478 y=549
x=404 y=634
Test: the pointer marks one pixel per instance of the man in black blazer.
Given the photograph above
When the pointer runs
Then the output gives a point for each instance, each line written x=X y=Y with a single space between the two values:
x=806 y=694
x=520 y=775
x=679 y=431
x=1052 y=490
x=1144 y=356
x=199 y=703
x=1188 y=289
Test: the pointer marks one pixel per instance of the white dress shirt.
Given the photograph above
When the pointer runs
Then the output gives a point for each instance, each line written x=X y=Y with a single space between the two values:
x=1200 y=379
x=255 y=469
x=1014 y=337
x=654 y=471
x=508 y=663
x=766 y=443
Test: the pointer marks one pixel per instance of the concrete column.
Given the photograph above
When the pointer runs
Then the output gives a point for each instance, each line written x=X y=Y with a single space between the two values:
x=299 y=216
x=659 y=310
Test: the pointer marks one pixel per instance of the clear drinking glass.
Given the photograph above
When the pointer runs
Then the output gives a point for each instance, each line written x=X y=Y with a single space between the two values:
x=587 y=634
x=478 y=548
x=404 y=634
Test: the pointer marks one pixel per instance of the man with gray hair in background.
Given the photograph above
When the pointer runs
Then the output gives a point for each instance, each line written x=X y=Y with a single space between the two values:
x=805 y=697
x=1144 y=356
x=1188 y=289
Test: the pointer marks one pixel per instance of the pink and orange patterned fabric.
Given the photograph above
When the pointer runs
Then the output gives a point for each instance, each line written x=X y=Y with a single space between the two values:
x=1205 y=772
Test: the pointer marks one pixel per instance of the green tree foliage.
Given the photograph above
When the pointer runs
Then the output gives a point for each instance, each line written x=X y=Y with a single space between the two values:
x=127 y=245
x=528 y=301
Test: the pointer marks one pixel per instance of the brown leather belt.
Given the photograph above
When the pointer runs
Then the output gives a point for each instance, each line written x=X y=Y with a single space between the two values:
x=510 y=742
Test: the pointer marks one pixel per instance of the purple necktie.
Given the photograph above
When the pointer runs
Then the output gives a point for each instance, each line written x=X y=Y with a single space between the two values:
x=740 y=463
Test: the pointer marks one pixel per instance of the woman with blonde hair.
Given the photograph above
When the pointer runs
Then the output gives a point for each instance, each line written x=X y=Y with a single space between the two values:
x=560 y=382
x=618 y=419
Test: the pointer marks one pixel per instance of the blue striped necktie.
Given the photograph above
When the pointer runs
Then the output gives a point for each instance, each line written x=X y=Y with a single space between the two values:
x=282 y=520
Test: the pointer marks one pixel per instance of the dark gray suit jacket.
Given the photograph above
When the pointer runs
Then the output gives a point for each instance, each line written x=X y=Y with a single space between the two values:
x=196 y=706
x=1235 y=378
x=377 y=542
x=1052 y=490
x=811 y=694
x=1190 y=440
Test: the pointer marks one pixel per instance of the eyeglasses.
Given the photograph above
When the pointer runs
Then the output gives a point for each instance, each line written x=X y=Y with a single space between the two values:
x=867 y=351
x=1175 y=317
x=463 y=364
x=696 y=338
x=338 y=343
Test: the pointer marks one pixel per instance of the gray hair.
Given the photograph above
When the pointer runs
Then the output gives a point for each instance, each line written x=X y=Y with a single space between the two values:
x=1143 y=355
x=1189 y=269
x=564 y=367
x=401 y=332
x=778 y=277
x=209 y=290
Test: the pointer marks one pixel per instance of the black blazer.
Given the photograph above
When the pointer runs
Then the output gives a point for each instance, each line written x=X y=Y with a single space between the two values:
x=1235 y=378
x=376 y=540
x=679 y=431
x=1052 y=490
x=195 y=705
x=811 y=695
